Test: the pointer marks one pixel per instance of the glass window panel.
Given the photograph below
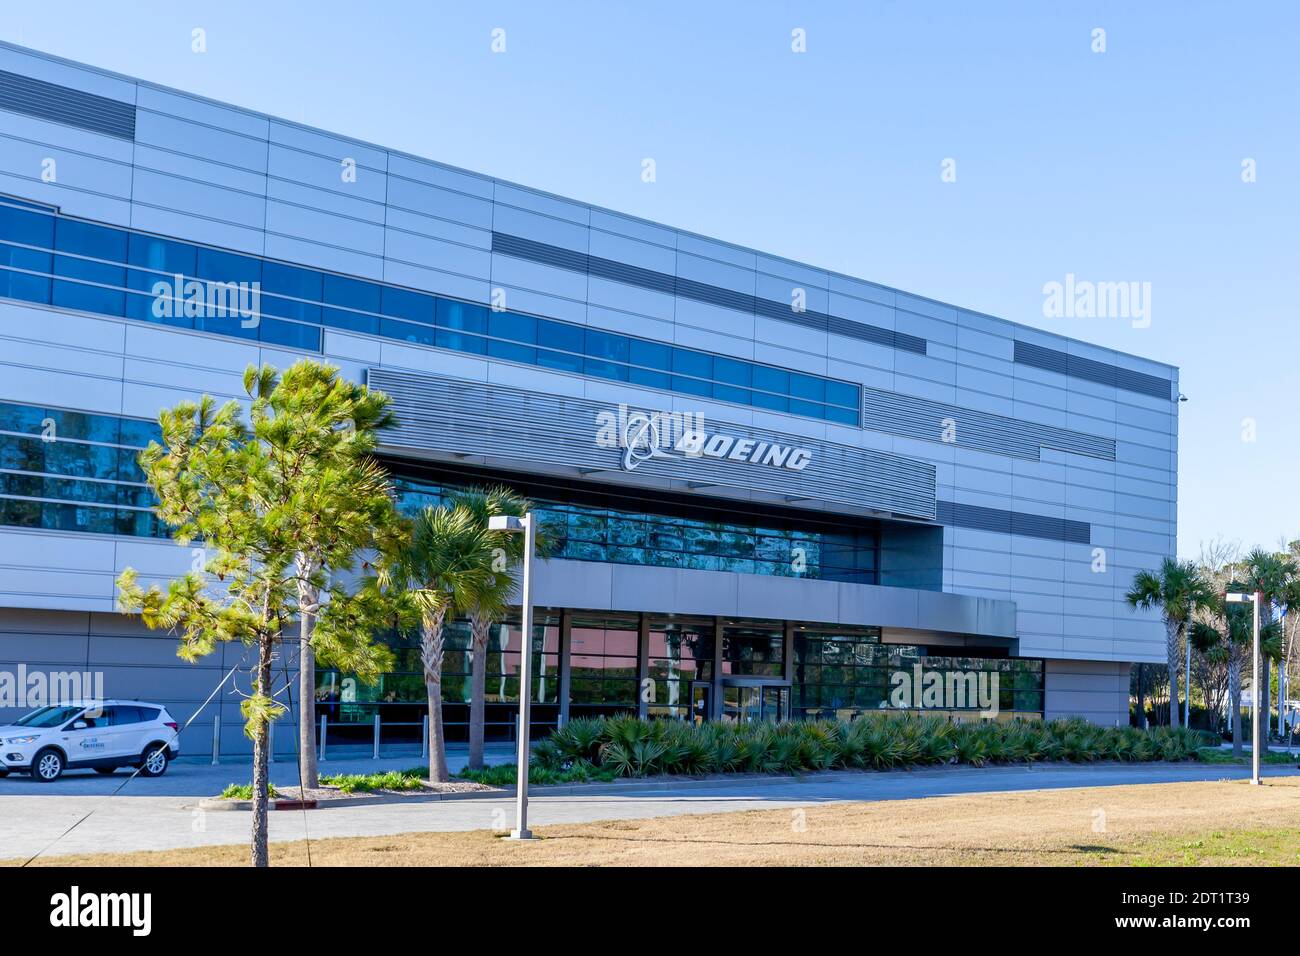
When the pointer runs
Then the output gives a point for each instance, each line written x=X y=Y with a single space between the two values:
x=807 y=386
x=406 y=331
x=456 y=320
x=283 y=280
x=731 y=371
x=98 y=242
x=351 y=294
x=563 y=345
x=290 y=334
x=412 y=306
x=651 y=355
x=842 y=394
x=845 y=416
x=768 y=379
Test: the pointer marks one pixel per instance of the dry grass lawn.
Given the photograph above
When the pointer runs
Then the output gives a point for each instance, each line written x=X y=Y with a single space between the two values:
x=1227 y=822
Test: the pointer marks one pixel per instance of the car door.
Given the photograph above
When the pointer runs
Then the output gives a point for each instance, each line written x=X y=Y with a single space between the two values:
x=124 y=731
x=90 y=736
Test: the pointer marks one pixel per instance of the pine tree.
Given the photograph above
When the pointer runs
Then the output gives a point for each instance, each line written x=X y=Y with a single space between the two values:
x=285 y=506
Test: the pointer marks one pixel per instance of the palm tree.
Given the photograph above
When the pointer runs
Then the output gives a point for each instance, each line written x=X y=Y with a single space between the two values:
x=1270 y=574
x=1223 y=633
x=494 y=599
x=446 y=570
x=1178 y=588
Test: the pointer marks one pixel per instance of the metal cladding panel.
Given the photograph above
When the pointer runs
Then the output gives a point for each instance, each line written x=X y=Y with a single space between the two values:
x=440 y=414
x=62 y=104
x=534 y=251
x=898 y=414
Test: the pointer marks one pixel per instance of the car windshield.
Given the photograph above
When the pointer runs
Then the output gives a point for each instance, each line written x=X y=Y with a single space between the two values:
x=47 y=717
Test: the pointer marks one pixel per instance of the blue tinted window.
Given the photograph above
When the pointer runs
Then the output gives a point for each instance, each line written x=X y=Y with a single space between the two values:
x=278 y=279
x=408 y=305
x=695 y=364
x=462 y=315
x=227 y=266
x=846 y=416
x=805 y=386
x=731 y=371
x=165 y=260
x=456 y=320
x=842 y=393
x=98 y=242
x=565 y=340
x=406 y=331
x=29 y=228
x=607 y=354
x=289 y=334
x=350 y=294
x=513 y=328
x=770 y=379
x=646 y=359
x=33 y=229
x=560 y=335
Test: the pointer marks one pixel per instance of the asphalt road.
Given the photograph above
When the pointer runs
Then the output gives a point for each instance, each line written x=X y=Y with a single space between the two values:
x=162 y=813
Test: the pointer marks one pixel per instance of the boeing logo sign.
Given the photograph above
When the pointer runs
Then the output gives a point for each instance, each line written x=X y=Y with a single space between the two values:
x=632 y=445
x=657 y=435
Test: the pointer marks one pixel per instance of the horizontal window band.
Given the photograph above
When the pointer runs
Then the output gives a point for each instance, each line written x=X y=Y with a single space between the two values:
x=546 y=254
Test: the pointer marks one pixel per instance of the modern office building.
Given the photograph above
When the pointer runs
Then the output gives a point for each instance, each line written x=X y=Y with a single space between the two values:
x=773 y=488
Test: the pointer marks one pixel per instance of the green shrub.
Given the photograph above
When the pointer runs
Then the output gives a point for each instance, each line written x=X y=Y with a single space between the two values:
x=369 y=782
x=244 y=791
x=625 y=746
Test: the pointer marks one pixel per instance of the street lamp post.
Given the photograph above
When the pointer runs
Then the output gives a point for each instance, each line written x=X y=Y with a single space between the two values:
x=528 y=526
x=1240 y=597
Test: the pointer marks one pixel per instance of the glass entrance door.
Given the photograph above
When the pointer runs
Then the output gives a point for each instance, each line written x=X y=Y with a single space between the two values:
x=751 y=703
x=701 y=701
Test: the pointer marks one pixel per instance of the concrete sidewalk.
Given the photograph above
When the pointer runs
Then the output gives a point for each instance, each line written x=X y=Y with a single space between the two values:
x=155 y=816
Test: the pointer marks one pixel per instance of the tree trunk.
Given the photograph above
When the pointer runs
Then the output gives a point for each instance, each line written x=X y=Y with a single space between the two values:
x=307 y=702
x=1234 y=693
x=1263 y=699
x=1173 y=630
x=431 y=653
x=1142 y=696
x=261 y=762
x=437 y=737
x=480 y=633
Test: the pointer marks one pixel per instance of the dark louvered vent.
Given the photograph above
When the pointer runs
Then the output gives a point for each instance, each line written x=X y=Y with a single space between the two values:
x=1092 y=371
x=898 y=414
x=979 y=518
x=62 y=104
x=550 y=255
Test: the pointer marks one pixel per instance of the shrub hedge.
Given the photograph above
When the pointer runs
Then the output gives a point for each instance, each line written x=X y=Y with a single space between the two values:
x=630 y=747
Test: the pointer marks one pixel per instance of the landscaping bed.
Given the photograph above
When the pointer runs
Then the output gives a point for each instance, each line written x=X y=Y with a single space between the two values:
x=338 y=789
x=609 y=748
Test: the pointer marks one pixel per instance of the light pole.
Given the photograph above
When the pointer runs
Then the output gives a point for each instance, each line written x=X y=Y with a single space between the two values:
x=1240 y=597
x=528 y=525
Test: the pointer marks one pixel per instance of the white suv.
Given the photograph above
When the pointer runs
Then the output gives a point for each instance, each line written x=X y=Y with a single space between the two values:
x=100 y=735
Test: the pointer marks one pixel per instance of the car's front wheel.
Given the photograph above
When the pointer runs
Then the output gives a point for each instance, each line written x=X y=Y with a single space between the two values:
x=48 y=766
x=153 y=762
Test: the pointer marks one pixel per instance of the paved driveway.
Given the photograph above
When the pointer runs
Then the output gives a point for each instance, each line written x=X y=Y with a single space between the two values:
x=162 y=813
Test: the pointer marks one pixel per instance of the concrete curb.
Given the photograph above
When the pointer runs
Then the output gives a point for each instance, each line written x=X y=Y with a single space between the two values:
x=632 y=787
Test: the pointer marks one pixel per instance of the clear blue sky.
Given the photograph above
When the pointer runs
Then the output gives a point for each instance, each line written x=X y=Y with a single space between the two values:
x=1124 y=165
